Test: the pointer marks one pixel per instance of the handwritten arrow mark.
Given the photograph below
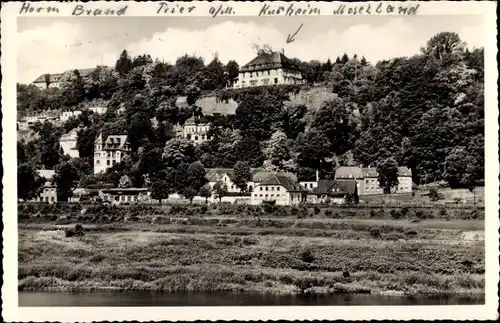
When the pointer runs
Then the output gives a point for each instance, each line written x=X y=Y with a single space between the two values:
x=291 y=39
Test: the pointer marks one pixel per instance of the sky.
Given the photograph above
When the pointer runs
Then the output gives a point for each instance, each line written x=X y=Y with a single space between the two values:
x=48 y=45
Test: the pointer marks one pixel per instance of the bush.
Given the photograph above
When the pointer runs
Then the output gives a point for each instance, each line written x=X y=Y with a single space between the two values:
x=411 y=233
x=203 y=209
x=396 y=214
x=394 y=236
x=317 y=210
x=307 y=255
x=328 y=213
x=375 y=233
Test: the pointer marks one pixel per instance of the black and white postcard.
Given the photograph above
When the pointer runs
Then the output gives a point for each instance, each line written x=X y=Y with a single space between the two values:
x=249 y=160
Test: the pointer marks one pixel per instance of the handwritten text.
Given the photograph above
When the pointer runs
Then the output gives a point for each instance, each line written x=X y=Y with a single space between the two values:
x=380 y=9
x=291 y=10
x=80 y=10
x=28 y=8
x=165 y=9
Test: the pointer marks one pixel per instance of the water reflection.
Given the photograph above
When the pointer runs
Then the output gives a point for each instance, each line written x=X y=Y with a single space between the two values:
x=137 y=298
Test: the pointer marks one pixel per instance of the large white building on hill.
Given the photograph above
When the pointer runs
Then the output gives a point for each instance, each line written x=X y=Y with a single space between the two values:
x=110 y=152
x=68 y=143
x=268 y=68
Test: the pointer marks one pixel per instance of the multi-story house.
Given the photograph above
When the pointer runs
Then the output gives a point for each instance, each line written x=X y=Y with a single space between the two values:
x=49 y=190
x=66 y=115
x=110 y=152
x=367 y=179
x=46 y=81
x=268 y=68
x=279 y=189
x=68 y=143
x=98 y=110
x=332 y=191
x=196 y=132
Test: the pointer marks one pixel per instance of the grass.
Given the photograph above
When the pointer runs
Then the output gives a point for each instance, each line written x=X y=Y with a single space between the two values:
x=281 y=255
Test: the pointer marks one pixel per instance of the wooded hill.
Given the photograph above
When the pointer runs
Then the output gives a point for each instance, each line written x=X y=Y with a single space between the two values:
x=425 y=112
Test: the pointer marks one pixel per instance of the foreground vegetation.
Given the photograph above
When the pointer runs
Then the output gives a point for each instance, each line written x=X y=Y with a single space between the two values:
x=172 y=251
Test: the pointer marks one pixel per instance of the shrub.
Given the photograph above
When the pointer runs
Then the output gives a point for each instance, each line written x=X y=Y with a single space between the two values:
x=307 y=255
x=269 y=208
x=328 y=213
x=404 y=211
x=295 y=211
x=411 y=233
x=394 y=236
x=396 y=214
x=203 y=209
x=443 y=213
x=375 y=233
x=317 y=210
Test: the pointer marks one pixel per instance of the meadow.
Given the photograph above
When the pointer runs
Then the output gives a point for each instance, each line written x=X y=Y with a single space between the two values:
x=250 y=249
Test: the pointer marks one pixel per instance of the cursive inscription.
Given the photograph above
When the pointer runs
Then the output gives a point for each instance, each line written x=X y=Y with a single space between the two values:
x=29 y=8
x=80 y=10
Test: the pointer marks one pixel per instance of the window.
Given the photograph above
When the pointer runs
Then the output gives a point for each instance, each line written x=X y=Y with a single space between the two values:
x=267 y=188
x=277 y=195
x=129 y=198
x=275 y=80
x=117 y=198
x=123 y=198
x=272 y=195
x=265 y=81
x=267 y=196
x=107 y=162
x=272 y=188
x=114 y=162
x=268 y=72
x=278 y=188
x=261 y=188
x=195 y=137
x=253 y=82
x=52 y=199
x=255 y=195
x=251 y=74
x=256 y=73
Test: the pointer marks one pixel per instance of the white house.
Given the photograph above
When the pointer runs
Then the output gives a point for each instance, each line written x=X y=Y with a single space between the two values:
x=123 y=195
x=268 y=68
x=196 y=132
x=49 y=190
x=110 y=152
x=367 y=179
x=68 y=143
x=98 y=110
x=66 y=115
x=279 y=189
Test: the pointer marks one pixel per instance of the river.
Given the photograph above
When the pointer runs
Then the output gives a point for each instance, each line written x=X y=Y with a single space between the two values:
x=139 y=298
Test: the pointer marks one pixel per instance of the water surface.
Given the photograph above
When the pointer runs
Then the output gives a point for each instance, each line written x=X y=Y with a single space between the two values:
x=140 y=298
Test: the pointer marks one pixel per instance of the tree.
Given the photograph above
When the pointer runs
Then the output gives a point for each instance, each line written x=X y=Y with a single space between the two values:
x=124 y=64
x=443 y=44
x=181 y=177
x=176 y=151
x=206 y=192
x=66 y=178
x=388 y=174
x=312 y=148
x=125 y=182
x=232 y=69
x=220 y=190
x=214 y=75
x=160 y=190
x=277 y=153
x=29 y=183
x=196 y=179
x=242 y=175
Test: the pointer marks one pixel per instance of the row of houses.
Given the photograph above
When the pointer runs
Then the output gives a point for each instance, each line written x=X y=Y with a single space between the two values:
x=55 y=117
x=263 y=187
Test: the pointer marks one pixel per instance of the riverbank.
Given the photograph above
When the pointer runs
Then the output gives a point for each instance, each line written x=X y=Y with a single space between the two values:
x=268 y=255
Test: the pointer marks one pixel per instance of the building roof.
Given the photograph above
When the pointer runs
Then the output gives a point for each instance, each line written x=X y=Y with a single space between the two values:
x=335 y=187
x=285 y=181
x=72 y=135
x=124 y=191
x=348 y=172
x=46 y=173
x=261 y=175
x=215 y=174
x=115 y=141
x=404 y=171
x=55 y=77
x=266 y=61
x=369 y=172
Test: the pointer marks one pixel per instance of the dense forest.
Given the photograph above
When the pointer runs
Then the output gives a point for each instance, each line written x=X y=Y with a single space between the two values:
x=425 y=112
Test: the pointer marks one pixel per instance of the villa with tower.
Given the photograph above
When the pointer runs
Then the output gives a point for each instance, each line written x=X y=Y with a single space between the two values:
x=109 y=152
